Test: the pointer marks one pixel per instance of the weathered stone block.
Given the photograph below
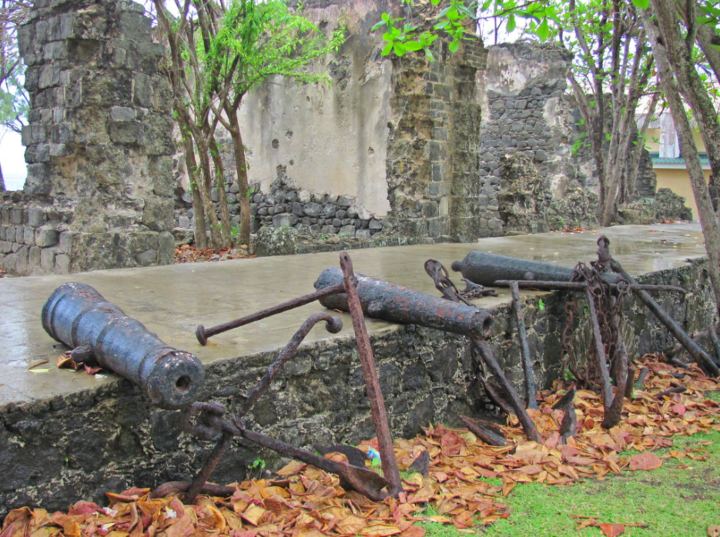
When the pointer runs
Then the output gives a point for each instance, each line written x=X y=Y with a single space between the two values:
x=126 y=132
x=146 y=258
x=55 y=50
x=49 y=76
x=375 y=225
x=28 y=235
x=122 y=113
x=16 y=216
x=158 y=213
x=62 y=264
x=347 y=231
x=35 y=216
x=328 y=210
x=47 y=259
x=34 y=258
x=37 y=153
x=46 y=236
x=21 y=260
x=312 y=209
x=9 y=262
x=284 y=219
x=363 y=234
x=166 y=248
x=429 y=209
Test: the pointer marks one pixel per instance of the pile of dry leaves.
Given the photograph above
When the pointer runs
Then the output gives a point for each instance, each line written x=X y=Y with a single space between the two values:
x=306 y=502
x=189 y=254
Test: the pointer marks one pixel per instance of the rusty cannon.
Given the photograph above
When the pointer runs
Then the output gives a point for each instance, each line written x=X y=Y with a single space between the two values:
x=394 y=303
x=485 y=269
x=78 y=316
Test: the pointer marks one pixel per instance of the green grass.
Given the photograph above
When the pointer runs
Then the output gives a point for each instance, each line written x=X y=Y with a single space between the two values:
x=680 y=499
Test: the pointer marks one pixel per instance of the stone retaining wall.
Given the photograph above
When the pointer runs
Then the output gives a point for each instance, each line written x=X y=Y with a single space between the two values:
x=41 y=239
x=60 y=450
x=319 y=214
x=33 y=238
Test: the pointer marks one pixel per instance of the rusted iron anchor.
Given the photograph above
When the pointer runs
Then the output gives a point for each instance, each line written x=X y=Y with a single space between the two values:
x=502 y=271
x=394 y=303
x=208 y=421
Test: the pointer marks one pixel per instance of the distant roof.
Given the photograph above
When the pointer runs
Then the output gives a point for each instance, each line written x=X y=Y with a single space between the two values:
x=675 y=163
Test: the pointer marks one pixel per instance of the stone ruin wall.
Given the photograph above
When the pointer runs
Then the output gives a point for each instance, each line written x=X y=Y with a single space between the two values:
x=392 y=151
x=407 y=149
x=100 y=188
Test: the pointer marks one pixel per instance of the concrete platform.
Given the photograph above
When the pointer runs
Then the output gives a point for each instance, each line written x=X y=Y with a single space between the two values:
x=172 y=300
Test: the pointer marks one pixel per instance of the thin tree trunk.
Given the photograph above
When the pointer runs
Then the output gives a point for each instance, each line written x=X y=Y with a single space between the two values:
x=708 y=220
x=220 y=186
x=706 y=38
x=242 y=175
x=678 y=53
x=205 y=189
x=198 y=208
x=2 y=180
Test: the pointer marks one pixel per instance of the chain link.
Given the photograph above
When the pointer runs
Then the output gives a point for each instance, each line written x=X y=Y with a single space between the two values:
x=608 y=306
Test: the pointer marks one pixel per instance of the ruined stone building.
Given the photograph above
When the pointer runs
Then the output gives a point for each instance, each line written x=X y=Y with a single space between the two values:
x=393 y=151
x=471 y=145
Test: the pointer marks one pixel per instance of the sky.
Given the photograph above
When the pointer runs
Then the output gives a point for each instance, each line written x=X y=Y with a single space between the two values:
x=12 y=159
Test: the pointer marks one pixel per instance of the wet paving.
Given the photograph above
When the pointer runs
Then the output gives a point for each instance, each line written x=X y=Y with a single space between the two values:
x=172 y=300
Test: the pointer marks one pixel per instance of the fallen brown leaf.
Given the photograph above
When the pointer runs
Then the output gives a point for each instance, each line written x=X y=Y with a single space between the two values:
x=645 y=461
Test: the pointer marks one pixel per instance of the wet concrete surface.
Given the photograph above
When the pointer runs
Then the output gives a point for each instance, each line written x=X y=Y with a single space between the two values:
x=172 y=300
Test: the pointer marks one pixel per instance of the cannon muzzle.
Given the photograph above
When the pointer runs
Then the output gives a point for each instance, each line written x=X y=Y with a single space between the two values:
x=397 y=304
x=78 y=316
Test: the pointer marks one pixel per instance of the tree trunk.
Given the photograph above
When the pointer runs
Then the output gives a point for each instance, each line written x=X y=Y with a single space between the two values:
x=690 y=86
x=242 y=175
x=198 y=209
x=2 y=180
x=205 y=189
x=220 y=186
x=708 y=220
x=705 y=38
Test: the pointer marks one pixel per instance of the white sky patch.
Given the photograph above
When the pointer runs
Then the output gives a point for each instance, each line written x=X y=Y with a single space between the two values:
x=12 y=159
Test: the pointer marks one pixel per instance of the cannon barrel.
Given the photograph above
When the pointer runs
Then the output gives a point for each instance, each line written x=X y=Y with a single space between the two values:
x=394 y=303
x=485 y=269
x=78 y=316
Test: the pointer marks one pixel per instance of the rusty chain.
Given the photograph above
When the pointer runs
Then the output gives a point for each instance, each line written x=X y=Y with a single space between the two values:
x=443 y=283
x=608 y=304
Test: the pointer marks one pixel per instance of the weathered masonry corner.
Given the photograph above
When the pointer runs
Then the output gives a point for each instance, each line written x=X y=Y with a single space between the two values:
x=99 y=191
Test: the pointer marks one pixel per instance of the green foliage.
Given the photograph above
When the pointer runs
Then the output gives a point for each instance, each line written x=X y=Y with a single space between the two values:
x=255 y=41
x=13 y=102
x=449 y=19
x=218 y=52
x=13 y=98
x=568 y=375
x=258 y=465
